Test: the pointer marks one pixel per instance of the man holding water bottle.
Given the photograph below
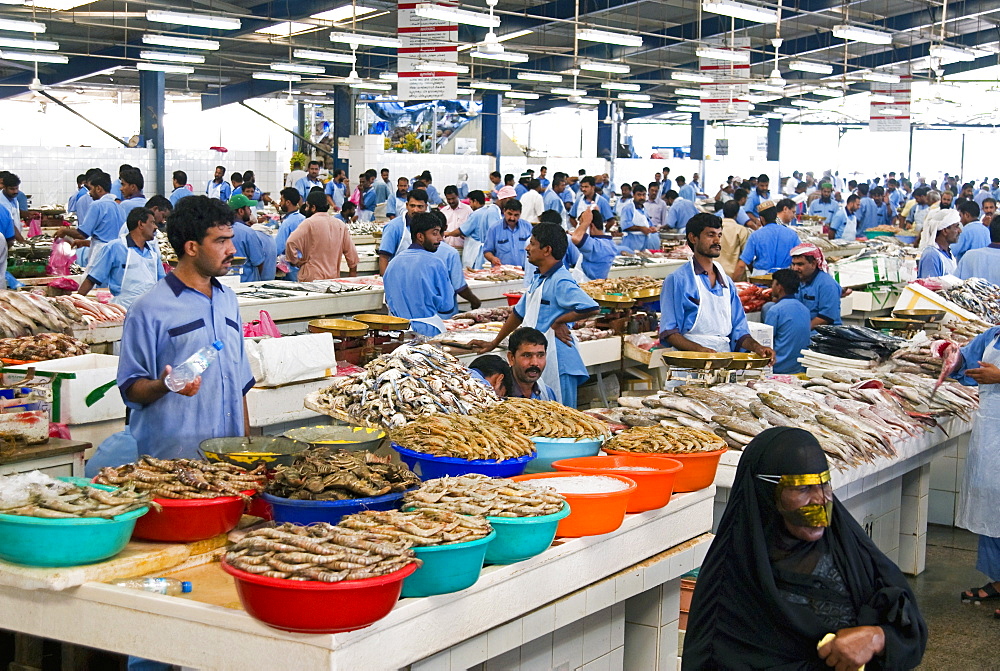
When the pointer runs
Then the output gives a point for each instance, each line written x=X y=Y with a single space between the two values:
x=184 y=313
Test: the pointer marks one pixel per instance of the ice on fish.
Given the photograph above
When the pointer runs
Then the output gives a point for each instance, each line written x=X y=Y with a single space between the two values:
x=586 y=484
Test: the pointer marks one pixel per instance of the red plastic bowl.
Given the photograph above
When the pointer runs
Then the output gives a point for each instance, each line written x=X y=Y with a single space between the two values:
x=654 y=488
x=311 y=607
x=699 y=467
x=189 y=520
x=512 y=299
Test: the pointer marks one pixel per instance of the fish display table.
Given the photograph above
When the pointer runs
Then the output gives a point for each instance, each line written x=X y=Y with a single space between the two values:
x=660 y=268
x=567 y=607
x=58 y=458
x=888 y=497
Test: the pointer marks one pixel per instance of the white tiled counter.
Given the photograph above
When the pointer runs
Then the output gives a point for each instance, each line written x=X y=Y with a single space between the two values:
x=888 y=497
x=585 y=603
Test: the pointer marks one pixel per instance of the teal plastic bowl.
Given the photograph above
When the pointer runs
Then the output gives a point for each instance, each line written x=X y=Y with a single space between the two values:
x=447 y=568
x=554 y=449
x=39 y=541
x=520 y=538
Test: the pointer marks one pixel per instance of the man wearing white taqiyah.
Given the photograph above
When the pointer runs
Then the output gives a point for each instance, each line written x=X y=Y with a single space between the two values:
x=130 y=265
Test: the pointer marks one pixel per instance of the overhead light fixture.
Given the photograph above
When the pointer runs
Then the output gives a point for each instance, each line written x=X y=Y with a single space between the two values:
x=786 y=110
x=326 y=56
x=193 y=20
x=950 y=54
x=164 y=67
x=808 y=104
x=299 y=68
x=882 y=77
x=490 y=86
x=740 y=10
x=639 y=105
x=373 y=86
x=22 y=26
x=14 y=43
x=33 y=57
x=180 y=42
x=365 y=40
x=342 y=13
x=54 y=5
x=560 y=91
x=277 y=76
x=691 y=77
x=688 y=92
x=773 y=115
x=768 y=86
x=608 y=37
x=287 y=29
x=687 y=108
x=858 y=34
x=521 y=95
x=586 y=101
x=170 y=57
x=514 y=35
x=441 y=66
x=388 y=76
x=688 y=101
x=539 y=77
x=612 y=68
x=882 y=99
x=808 y=66
x=507 y=56
x=828 y=93
x=463 y=91
x=428 y=10
x=620 y=86
x=642 y=97
x=721 y=54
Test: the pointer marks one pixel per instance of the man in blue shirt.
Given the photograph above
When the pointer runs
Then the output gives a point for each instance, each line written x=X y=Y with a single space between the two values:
x=103 y=221
x=306 y=184
x=656 y=208
x=680 y=212
x=180 y=187
x=7 y=236
x=522 y=185
x=505 y=242
x=844 y=225
x=824 y=206
x=383 y=190
x=336 y=190
x=11 y=199
x=552 y=199
x=638 y=231
x=666 y=184
x=475 y=228
x=132 y=197
x=866 y=209
x=937 y=258
x=497 y=181
x=184 y=312
x=685 y=190
x=819 y=292
x=116 y=186
x=218 y=187
x=526 y=353
x=760 y=193
x=396 y=205
x=131 y=265
x=81 y=190
x=597 y=248
x=590 y=198
x=985 y=261
x=289 y=204
x=396 y=233
x=542 y=177
x=433 y=197
x=885 y=215
x=790 y=320
x=894 y=197
x=974 y=234
x=248 y=244
x=768 y=247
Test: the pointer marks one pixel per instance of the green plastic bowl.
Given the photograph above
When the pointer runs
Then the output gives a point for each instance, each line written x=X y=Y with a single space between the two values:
x=39 y=541
x=871 y=235
x=554 y=449
x=447 y=568
x=520 y=538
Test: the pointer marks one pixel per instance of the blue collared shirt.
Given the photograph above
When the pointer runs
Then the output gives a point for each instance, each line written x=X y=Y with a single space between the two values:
x=983 y=262
x=478 y=223
x=116 y=189
x=680 y=211
x=973 y=353
x=539 y=392
x=841 y=218
x=179 y=192
x=75 y=199
x=335 y=190
x=821 y=295
x=687 y=192
x=974 y=236
x=790 y=320
x=250 y=246
x=508 y=244
x=553 y=201
x=433 y=197
x=382 y=190
x=825 y=210
x=104 y=219
x=599 y=251
x=768 y=247
x=754 y=199
x=109 y=266
x=305 y=185
x=395 y=206
x=884 y=214
x=602 y=204
x=288 y=225
x=931 y=262
x=131 y=203
x=392 y=236
x=418 y=285
x=520 y=189
x=225 y=190
x=656 y=212
x=866 y=214
x=680 y=300
x=164 y=328
x=270 y=248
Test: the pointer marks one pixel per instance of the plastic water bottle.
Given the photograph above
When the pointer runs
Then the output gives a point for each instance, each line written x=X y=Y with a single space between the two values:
x=186 y=372
x=168 y=586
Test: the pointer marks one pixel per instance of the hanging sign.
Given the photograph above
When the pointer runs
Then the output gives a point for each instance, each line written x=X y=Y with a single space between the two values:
x=425 y=41
x=725 y=98
x=891 y=117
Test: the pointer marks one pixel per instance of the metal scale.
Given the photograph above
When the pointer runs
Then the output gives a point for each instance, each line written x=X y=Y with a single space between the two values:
x=906 y=323
x=708 y=368
x=385 y=333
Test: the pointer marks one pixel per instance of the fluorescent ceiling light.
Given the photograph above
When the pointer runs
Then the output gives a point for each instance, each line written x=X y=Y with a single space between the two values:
x=193 y=20
x=786 y=110
x=587 y=101
x=688 y=92
x=54 y=5
x=490 y=86
x=521 y=95
x=639 y=105
x=14 y=43
x=342 y=13
x=22 y=26
x=164 y=67
x=720 y=54
x=373 y=86
x=325 y=56
x=33 y=57
x=539 y=77
x=620 y=86
x=740 y=10
x=949 y=54
x=773 y=115
x=763 y=99
x=462 y=91
x=858 y=34
x=560 y=91
x=687 y=108
x=506 y=56
x=608 y=37
x=287 y=29
x=882 y=77
x=388 y=76
x=881 y=99
x=514 y=35
x=691 y=77
x=180 y=42
x=807 y=66
x=688 y=101
x=300 y=68
x=810 y=104
x=454 y=15
x=614 y=68
x=828 y=93
x=769 y=88
x=169 y=57
x=642 y=97
x=277 y=76
x=441 y=66
x=365 y=40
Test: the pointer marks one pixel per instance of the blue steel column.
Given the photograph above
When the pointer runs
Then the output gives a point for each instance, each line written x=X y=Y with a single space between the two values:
x=774 y=139
x=697 y=137
x=301 y=126
x=605 y=139
x=151 y=104
x=343 y=121
x=491 y=127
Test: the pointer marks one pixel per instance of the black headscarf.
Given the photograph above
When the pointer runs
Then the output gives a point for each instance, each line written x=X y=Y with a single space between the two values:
x=739 y=617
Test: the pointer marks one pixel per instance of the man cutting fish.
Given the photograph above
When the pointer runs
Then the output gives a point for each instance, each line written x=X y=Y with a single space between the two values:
x=701 y=309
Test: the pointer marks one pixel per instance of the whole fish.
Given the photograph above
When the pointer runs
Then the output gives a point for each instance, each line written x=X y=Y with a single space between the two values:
x=950 y=356
x=24 y=306
x=738 y=425
x=687 y=405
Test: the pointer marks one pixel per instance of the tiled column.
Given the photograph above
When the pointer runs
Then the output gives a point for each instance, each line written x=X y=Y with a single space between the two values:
x=913 y=520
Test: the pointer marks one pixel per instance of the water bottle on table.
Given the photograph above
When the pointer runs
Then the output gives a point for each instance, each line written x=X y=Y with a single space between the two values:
x=168 y=586
x=185 y=373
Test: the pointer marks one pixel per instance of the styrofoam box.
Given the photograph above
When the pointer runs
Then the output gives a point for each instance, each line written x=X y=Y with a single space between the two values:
x=914 y=296
x=95 y=432
x=74 y=378
x=604 y=350
x=762 y=333
x=279 y=361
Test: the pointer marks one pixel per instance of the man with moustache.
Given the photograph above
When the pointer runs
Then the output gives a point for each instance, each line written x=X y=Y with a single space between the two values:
x=526 y=349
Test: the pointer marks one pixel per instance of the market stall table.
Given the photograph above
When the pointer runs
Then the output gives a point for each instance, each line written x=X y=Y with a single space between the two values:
x=57 y=458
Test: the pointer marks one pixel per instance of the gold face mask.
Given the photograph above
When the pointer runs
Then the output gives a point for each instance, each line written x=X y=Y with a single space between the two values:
x=807 y=514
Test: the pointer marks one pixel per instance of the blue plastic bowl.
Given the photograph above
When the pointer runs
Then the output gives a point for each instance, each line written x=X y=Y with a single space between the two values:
x=554 y=449
x=447 y=568
x=520 y=538
x=428 y=467
x=906 y=239
x=308 y=512
x=39 y=541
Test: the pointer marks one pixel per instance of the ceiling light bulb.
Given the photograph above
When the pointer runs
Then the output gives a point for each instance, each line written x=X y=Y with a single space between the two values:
x=441 y=66
x=22 y=26
x=33 y=57
x=560 y=91
x=620 y=86
x=696 y=77
x=882 y=77
x=859 y=34
x=608 y=37
x=815 y=68
x=277 y=76
x=14 y=43
x=193 y=20
x=688 y=108
x=165 y=67
x=613 y=68
x=170 y=57
x=326 y=56
x=949 y=54
x=642 y=97
x=366 y=40
x=181 y=42
x=721 y=54
x=539 y=77
x=490 y=86
x=507 y=56
x=454 y=15
x=521 y=95
x=639 y=105
x=740 y=10
x=300 y=68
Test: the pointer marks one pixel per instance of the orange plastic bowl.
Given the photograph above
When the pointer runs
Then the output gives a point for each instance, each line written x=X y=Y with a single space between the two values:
x=590 y=514
x=699 y=467
x=653 y=488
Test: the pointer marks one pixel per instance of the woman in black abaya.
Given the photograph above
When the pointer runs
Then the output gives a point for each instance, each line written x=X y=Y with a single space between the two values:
x=788 y=566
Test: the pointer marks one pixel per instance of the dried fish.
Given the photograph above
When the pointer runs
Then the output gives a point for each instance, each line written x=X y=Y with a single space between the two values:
x=462 y=437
